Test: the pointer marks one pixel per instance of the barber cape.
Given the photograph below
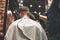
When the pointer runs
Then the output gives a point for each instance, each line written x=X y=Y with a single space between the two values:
x=25 y=29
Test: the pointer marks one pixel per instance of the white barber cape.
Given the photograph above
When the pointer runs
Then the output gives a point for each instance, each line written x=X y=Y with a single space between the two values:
x=25 y=29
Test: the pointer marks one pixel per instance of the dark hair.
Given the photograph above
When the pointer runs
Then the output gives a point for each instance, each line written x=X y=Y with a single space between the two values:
x=54 y=6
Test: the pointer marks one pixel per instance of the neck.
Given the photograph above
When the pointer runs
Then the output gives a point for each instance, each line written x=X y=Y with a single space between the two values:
x=25 y=16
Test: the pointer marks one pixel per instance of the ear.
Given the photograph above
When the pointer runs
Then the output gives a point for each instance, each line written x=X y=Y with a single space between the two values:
x=21 y=14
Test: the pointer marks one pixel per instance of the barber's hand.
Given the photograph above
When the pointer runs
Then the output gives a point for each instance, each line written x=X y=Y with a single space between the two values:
x=44 y=18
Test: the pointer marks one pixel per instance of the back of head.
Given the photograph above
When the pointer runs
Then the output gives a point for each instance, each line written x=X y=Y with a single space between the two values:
x=24 y=9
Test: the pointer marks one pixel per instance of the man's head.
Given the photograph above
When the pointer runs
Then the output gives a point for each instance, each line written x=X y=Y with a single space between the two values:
x=24 y=11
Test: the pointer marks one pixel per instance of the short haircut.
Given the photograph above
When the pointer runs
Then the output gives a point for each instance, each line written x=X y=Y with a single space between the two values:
x=24 y=9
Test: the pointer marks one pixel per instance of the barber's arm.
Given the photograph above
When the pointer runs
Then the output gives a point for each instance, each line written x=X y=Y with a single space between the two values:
x=44 y=18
